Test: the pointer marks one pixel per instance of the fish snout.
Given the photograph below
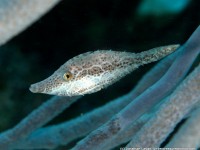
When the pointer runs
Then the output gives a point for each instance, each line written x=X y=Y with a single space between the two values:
x=37 y=88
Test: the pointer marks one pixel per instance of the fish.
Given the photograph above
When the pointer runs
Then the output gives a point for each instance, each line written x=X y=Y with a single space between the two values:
x=95 y=70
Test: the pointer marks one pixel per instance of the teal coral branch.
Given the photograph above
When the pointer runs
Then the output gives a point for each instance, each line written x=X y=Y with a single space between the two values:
x=180 y=103
x=35 y=120
x=16 y=16
x=189 y=134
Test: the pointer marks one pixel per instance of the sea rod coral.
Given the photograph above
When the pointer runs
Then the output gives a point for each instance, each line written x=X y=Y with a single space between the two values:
x=16 y=16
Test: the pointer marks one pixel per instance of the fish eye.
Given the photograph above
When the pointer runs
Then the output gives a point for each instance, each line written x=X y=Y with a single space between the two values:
x=67 y=76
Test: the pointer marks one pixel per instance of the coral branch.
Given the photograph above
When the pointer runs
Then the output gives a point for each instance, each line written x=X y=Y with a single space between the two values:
x=36 y=119
x=189 y=134
x=16 y=16
x=175 y=108
x=120 y=122
x=127 y=134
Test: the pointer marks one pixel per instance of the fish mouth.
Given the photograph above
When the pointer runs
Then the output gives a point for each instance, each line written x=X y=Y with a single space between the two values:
x=37 y=88
x=33 y=88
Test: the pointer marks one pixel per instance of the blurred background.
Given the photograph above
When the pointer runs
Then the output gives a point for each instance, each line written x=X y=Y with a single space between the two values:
x=76 y=26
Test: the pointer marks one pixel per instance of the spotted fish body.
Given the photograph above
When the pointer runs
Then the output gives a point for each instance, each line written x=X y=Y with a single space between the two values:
x=92 y=71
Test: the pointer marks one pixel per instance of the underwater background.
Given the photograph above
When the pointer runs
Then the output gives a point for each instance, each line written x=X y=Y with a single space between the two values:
x=74 y=27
